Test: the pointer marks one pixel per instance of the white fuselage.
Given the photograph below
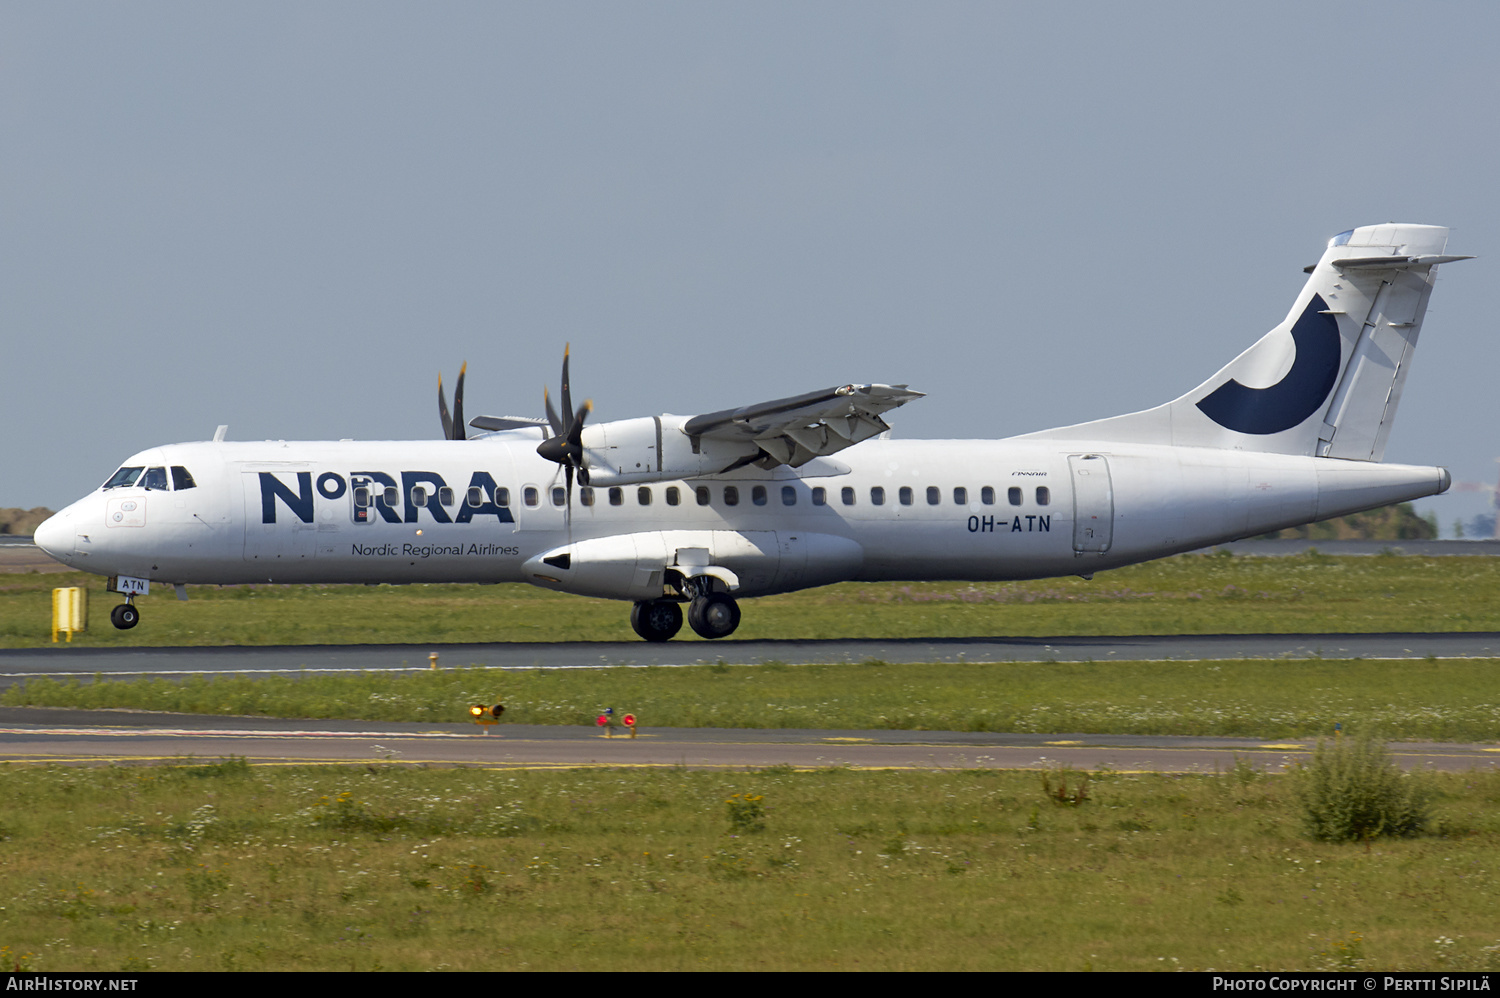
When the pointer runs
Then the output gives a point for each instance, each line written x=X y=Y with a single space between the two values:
x=977 y=509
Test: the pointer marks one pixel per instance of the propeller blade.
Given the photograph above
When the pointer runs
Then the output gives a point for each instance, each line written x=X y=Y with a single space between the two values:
x=552 y=420
x=575 y=434
x=443 y=409
x=460 y=432
x=567 y=394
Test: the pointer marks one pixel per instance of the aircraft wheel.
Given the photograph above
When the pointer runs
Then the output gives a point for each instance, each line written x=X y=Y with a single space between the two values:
x=714 y=616
x=658 y=620
x=125 y=616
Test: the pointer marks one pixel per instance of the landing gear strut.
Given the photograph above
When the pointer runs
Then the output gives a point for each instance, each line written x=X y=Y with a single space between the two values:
x=125 y=616
x=714 y=615
x=657 y=620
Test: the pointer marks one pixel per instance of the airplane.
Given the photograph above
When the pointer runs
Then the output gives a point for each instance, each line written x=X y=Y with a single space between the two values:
x=703 y=511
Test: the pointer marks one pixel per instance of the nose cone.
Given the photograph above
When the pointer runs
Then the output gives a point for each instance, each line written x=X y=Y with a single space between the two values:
x=55 y=536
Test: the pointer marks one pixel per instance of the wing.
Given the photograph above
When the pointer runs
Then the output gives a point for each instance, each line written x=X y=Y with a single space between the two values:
x=795 y=430
x=497 y=423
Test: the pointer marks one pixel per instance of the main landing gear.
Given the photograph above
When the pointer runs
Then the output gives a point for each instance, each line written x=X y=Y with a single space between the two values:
x=659 y=620
x=711 y=615
x=714 y=615
x=125 y=616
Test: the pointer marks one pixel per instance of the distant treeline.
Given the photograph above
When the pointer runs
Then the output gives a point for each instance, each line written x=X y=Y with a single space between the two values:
x=1389 y=523
x=22 y=521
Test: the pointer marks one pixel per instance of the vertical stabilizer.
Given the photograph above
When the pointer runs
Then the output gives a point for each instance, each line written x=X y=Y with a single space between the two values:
x=1327 y=380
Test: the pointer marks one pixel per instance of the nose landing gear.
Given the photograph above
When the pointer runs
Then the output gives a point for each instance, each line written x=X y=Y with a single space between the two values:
x=125 y=616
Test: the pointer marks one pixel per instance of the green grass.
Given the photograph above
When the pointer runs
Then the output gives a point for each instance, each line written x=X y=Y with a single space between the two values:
x=1437 y=700
x=231 y=867
x=1189 y=594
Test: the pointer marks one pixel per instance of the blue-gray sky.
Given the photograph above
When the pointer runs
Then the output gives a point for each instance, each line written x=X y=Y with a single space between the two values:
x=289 y=217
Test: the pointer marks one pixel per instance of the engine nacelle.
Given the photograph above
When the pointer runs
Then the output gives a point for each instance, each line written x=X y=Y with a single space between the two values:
x=651 y=564
x=655 y=449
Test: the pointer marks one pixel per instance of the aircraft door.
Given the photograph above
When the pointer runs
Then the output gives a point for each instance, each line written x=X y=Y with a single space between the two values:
x=1093 y=503
x=279 y=526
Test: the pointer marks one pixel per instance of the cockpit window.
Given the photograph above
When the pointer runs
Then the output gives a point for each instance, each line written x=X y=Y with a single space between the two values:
x=154 y=478
x=181 y=478
x=1342 y=239
x=125 y=476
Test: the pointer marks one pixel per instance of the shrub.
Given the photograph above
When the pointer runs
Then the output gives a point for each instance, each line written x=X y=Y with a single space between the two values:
x=1352 y=790
x=747 y=813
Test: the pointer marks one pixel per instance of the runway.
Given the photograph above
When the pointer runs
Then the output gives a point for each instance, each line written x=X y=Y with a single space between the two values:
x=30 y=735
x=62 y=661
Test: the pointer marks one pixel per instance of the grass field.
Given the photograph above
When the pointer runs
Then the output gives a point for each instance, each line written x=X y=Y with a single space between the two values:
x=1189 y=594
x=230 y=867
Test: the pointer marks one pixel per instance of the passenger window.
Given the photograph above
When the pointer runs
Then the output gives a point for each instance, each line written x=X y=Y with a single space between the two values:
x=418 y=496
x=125 y=476
x=616 y=496
x=673 y=496
x=703 y=495
x=559 y=496
x=960 y=496
x=362 y=497
x=1014 y=495
x=586 y=495
x=1043 y=495
x=445 y=496
x=905 y=495
x=474 y=498
x=643 y=495
x=181 y=478
x=530 y=496
x=391 y=498
x=877 y=496
x=847 y=494
x=731 y=496
x=820 y=496
x=758 y=495
x=934 y=495
x=788 y=496
x=987 y=495
x=154 y=478
x=502 y=497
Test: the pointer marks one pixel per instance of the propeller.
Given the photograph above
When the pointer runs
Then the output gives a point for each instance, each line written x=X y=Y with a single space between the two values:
x=565 y=446
x=453 y=426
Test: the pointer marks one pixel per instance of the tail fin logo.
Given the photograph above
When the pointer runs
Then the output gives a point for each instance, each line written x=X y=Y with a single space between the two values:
x=1298 y=395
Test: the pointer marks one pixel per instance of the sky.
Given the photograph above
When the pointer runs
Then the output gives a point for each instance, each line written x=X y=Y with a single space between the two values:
x=290 y=217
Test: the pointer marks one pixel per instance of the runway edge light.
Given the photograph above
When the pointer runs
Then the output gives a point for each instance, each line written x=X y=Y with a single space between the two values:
x=486 y=714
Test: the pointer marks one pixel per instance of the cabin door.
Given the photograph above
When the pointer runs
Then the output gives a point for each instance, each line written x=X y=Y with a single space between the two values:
x=1093 y=504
